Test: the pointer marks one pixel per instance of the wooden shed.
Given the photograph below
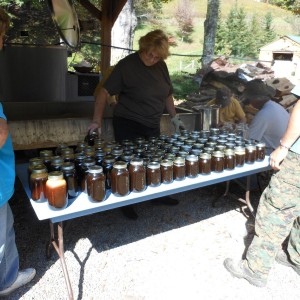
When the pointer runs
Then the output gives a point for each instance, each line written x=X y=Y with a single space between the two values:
x=283 y=55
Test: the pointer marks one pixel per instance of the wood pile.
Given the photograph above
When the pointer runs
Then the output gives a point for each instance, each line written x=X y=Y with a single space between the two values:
x=221 y=73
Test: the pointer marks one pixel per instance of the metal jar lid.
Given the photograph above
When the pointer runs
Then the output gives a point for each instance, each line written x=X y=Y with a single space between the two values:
x=95 y=169
x=153 y=165
x=120 y=165
x=55 y=175
x=137 y=162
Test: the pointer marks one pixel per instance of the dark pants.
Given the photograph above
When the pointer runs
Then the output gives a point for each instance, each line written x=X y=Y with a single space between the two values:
x=130 y=130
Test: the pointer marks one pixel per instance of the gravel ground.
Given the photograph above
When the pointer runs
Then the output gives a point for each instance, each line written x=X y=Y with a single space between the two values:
x=168 y=253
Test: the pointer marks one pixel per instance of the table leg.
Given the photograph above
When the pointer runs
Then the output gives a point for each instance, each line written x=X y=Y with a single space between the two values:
x=59 y=248
x=245 y=201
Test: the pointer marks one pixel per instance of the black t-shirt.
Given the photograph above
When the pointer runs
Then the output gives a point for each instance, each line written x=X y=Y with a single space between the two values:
x=142 y=91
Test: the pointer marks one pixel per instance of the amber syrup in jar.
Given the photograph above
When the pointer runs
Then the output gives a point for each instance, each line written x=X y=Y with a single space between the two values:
x=38 y=179
x=191 y=166
x=260 y=151
x=179 y=169
x=120 y=179
x=153 y=174
x=70 y=176
x=56 y=190
x=78 y=161
x=205 y=163
x=250 y=154
x=166 y=168
x=46 y=156
x=229 y=159
x=107 y=165
x=86 y=164
x=95 y=180
x=217 y=161
x=239 y=156
x=137 y=174
x=35 y=161
x=56 y=163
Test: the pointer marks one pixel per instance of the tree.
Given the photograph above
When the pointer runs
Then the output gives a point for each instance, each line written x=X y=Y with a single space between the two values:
x=239 y=37
x=210 y=27
x=123 y=32
x=184 y=18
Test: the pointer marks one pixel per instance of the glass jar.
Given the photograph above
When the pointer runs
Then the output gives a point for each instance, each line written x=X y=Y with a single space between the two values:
x=56 y=190
x=99 y=155
x=179 y=169
x=59 y=148
x=107 y=165
x=205 y=163
x=229 y=159
x=46 y=156
x=191 y=166
x=120 y=179
x=90 y=138
x=38 y=179
x=35 y=161
x=250 y=154
x=137 y=173
x=166 y=168
x=95 y=181
x=70 y=176
x=217 y=161
x=86 y=164
x=80 y=147
x=260 y=151
x=153 y=174
x=56 y=163
x=78 y=161
x=89 y=151
x=239 y=156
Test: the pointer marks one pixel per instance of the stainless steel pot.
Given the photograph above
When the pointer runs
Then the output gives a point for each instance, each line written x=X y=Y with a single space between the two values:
x=209 y=116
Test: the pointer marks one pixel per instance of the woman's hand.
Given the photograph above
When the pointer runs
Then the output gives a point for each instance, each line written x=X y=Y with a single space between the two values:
x=94 y=126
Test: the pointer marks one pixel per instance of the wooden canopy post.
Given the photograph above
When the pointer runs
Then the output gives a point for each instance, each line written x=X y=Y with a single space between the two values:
x=110 y=12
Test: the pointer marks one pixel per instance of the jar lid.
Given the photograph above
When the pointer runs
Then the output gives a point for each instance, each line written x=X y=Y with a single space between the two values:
x=95 y=169
x=191 y=157
x=120 y=165
x=229 y=152
x=67 y=166
x=55 y=175
x=46 y=153
x=88 y=162
x=205 y=155
x=166 y=163
x=109 y=159
x=261 y=144
x=179 y=161
x=36 y=161
x=218 y=154
x=38 y=169
x=137 y=162
x=239 y=150
x=153 y=165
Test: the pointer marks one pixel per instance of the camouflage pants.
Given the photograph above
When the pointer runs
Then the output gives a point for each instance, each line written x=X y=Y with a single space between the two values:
x=278 y=216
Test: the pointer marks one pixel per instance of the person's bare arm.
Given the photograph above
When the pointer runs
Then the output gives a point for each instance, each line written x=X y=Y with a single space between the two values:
x=170 y=106
x=100 y=102
x=290 y=136
x=3 y=132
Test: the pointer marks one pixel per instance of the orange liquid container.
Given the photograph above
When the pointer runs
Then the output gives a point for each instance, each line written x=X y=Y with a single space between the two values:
x=56 y=190
x=38 y=179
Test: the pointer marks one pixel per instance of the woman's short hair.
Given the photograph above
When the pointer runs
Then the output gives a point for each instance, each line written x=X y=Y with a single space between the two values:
x=155 y=40
x=4 y=20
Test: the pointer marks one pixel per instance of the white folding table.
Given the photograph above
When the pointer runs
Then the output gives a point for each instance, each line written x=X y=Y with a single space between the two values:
x=81 y=206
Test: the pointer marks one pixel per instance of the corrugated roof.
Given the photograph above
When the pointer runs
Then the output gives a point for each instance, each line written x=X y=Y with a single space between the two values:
x=295 y=38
